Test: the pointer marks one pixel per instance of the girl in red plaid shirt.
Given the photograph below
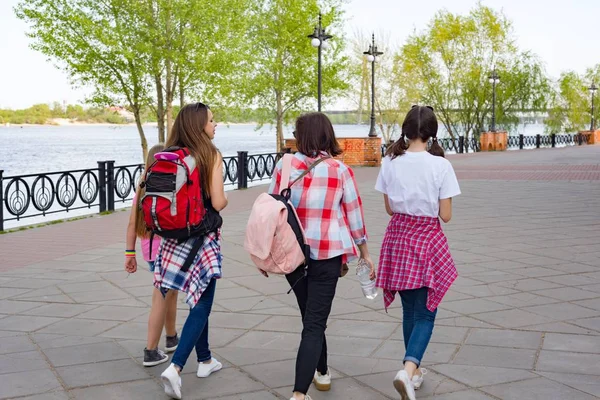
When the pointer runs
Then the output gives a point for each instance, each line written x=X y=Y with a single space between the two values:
x=330 y=210
x=417 y=186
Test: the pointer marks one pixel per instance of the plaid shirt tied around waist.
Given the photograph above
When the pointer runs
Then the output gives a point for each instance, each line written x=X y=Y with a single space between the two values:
x=193 y=282
x=415 y=254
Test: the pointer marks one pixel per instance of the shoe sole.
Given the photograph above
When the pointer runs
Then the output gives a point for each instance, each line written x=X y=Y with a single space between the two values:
x=170 y=349
x=400 y=388
x=169 y=391
x=155 y=363
x=322 y=387
x=218 y=368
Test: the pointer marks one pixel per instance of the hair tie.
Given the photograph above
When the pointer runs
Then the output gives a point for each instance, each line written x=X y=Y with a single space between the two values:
x=435 y=139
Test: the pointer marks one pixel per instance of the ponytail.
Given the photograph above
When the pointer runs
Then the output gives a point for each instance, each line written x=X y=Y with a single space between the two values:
x=397 y=148
x=435 y=148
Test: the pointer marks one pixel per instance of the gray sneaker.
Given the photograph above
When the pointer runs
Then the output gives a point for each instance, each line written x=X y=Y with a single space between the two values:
x=172 y=342
x=154 y=357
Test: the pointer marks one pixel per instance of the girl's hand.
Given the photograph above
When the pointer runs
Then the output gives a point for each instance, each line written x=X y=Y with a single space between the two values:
x=372 y=275
x=264 y=273
x=130 y=264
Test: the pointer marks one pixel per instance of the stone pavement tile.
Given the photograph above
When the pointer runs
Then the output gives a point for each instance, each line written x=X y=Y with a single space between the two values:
x=238 y=320
x=135 y=348
x=560 y=327
x=481 y=290
x=568 y=294
x=504 y=338
x=140 y=291
x=496 y=276
x=477 y=376
x=228 y=381
x=462 y=395
x=61 y=310
x=57 y=298
x=4 y=334
x=466 y=322
x=282 y=323
x=452 y=295
x=586 y=383
x=243 y=356
x=535 y=389
x=249 y=303
x=16 y=344
x=346 y=389
x=523 y=299
x=539 y=272
x=52 y=340
x=79 y=257
x=351 y=346
x=274 y=374
x=24 y=323
x=101 y=373
x=25 y=361
x=56 y=395
x=28 y=383
x=574 y=268
x=220 y=337
x=126 y=330
x=529 y=284
x=6 y=293
x=99 y=295
x=573 y=343
x=495 y=357
x=576 y=363
x=541 y=261
x=354 y=366
x=114 y=313
x=235 y=293
x=434 y=385
x=436 y=352
x=85 y=286
x=82 y=327
x=29 y=283
x=366 y=329
x=17 y=307
x=343 y=307
x=268 y=340
x=141 y=390
x=592 y=303
x=591 y=288
x=262 y=395
x=85 y=354
x=591 y=323
x=562 y=311
x=473 y=306
x=570 y=280
x=378 y=316
x=284 y=311
x=512 y=318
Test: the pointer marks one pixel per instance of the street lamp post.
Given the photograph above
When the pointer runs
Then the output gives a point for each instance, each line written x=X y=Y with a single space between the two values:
x=372 y=55
x=319 y=39
x=494 y=80
x=592 y=90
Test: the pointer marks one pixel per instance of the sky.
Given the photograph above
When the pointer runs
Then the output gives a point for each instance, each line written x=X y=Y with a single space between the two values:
x=563 y=33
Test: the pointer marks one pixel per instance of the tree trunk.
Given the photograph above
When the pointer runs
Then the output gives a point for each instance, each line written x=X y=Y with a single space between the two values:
x=279 y=111
x=140 y=128
x=160 y=109
x=181 y=92
x=169 y=96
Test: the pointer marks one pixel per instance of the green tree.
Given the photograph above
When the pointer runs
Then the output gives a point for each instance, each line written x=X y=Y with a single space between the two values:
x=98 y=44
x=282 y=74
x=451 y=60
x=571 y=104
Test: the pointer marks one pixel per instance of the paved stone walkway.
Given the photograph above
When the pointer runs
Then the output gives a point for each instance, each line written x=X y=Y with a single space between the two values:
x=522 y=321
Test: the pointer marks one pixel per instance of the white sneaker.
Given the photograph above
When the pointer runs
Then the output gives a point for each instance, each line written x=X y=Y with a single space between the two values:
x=404 y=386
x=306 y=397
x=322 y=382
x=417 y=380
x=172 y=382
x=204 y=370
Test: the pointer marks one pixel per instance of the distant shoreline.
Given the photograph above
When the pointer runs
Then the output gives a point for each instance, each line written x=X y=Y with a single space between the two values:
x=67 y=122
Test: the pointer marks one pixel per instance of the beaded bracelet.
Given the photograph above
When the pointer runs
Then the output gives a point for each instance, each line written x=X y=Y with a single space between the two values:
x=129 y=253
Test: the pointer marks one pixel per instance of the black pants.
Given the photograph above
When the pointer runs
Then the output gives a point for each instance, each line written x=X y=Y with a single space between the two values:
x=315 y=295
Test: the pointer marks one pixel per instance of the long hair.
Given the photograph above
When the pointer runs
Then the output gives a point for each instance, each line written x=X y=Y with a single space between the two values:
x=188 y=131
x=419 y=123
x=141 y=230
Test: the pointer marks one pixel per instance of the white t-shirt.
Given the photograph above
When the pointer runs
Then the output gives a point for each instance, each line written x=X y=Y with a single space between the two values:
x=416 y=181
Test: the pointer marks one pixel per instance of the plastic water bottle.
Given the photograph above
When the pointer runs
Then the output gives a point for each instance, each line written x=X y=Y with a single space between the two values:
x=366 y=284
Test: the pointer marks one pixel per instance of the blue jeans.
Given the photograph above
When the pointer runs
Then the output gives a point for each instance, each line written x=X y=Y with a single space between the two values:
x=417 y=323
x=151 y=266
x=195 y=330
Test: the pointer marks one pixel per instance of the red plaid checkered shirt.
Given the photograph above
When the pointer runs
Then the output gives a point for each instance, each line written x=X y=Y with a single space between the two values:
x=328 y=205
x=415 y=254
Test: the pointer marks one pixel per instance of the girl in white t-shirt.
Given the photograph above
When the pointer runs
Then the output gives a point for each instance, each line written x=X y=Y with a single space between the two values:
x=417 y=186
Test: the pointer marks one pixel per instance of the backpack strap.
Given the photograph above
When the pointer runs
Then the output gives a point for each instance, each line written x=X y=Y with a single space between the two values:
x=193 y=251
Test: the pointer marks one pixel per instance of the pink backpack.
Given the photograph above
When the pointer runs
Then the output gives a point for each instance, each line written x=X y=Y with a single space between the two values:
x=274 y=236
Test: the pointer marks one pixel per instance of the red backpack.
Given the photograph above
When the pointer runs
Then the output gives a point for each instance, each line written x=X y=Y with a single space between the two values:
x=174 y=205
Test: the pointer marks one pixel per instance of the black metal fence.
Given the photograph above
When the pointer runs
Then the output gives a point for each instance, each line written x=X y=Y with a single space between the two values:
x=43 y=194
x=460 y=145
